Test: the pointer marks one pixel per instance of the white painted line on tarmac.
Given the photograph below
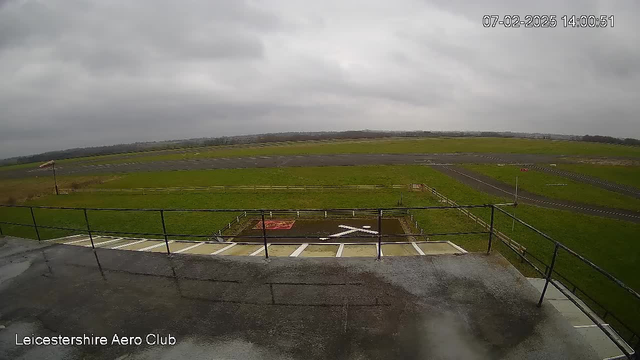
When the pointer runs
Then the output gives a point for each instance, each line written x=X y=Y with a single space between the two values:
x=155 y=246
x=188 y=248
x=357 y=229
x=107 y=242
x=259 y=250
x=342 y=233
x=340 y=249
x=415 y=246
x=77 y=241
x=129 y=244
x=457 y=247
x=224 y=248
x=299 y=250
x=64 y=238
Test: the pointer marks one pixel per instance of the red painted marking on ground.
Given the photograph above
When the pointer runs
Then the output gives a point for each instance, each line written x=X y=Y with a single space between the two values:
x=275 y=224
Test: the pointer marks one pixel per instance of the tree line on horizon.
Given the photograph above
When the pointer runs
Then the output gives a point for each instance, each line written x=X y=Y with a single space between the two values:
x=295 y=136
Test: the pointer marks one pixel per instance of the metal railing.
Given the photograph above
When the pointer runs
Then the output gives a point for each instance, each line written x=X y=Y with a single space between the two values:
x=377 y=239
x=376 y=213
x=632 y=339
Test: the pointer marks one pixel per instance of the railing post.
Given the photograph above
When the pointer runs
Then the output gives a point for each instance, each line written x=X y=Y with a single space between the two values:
x=35 y=225
x=549 y=274
x=379 y=234
x=86 y=220
x=164 y=231
x=264 y=235
x=491 y=229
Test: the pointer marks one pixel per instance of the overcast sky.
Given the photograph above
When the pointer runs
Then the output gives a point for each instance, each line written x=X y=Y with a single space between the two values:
x=88 y=73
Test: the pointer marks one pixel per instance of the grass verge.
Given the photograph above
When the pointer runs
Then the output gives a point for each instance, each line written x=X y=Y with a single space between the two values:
x=548 y=185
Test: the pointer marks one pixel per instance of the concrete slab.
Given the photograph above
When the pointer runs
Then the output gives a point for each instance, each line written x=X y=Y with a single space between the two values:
x=241 y=250
x=600 y=342
x=399 y=250
x=424 y=307
x=141 y=245
x=117 y=243
x=320 y=251
x=282 y=250
x=552 y=292
x=77 y=241
x=359 y=251
x=570 y=311
x=173 y=247
x=438 y=248
x=205 y=249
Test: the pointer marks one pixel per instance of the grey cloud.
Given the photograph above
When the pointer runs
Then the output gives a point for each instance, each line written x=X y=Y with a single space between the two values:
x=85 y=72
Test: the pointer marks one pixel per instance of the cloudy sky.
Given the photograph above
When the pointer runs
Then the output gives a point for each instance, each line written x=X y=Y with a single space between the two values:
x=85 y=73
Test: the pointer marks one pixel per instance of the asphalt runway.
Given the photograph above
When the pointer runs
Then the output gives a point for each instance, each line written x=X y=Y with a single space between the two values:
x=442 y=162
x=492 y=186
x=291 y=161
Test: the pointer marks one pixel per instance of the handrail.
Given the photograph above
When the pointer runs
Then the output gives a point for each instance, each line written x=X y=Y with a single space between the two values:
x=582 y=258
x=254 y=210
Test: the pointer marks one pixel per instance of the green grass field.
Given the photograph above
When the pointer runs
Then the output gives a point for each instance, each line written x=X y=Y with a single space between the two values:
x=328 y=175
x=536 y=182
x=390 y=146
x=609 y=243
x=18 y=190
x=625 y=175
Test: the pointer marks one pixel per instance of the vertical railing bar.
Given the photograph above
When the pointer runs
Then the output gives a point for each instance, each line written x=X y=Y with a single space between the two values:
x=549 y=274
x=164 y=231
x=35 y=225
x=491 y=230
x=86 y=220
x=379 y=234
x=264 y=235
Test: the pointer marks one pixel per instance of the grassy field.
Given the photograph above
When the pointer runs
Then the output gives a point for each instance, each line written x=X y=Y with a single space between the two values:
x=625 y=175
x=328 y=175
x=18 y=190
x=391 y=146
x=609 y=243
x=536 y=182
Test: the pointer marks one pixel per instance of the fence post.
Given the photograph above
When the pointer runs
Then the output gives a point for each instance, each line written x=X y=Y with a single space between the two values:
x=491 y=229
x=264 y=235
x=379 y=234
x=164 y=231
x=549 y=274
x=86 y=220
x=35 y=225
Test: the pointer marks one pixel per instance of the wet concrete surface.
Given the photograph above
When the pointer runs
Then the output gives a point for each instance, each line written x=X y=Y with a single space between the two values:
x=495 y=187
x=424 y=307
x=290 y=161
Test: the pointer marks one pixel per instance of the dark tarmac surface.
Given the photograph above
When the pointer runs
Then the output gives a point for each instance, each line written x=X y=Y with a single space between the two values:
x=324 y=228
x=495 y=187
x=472 y=306
x=290 y=161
